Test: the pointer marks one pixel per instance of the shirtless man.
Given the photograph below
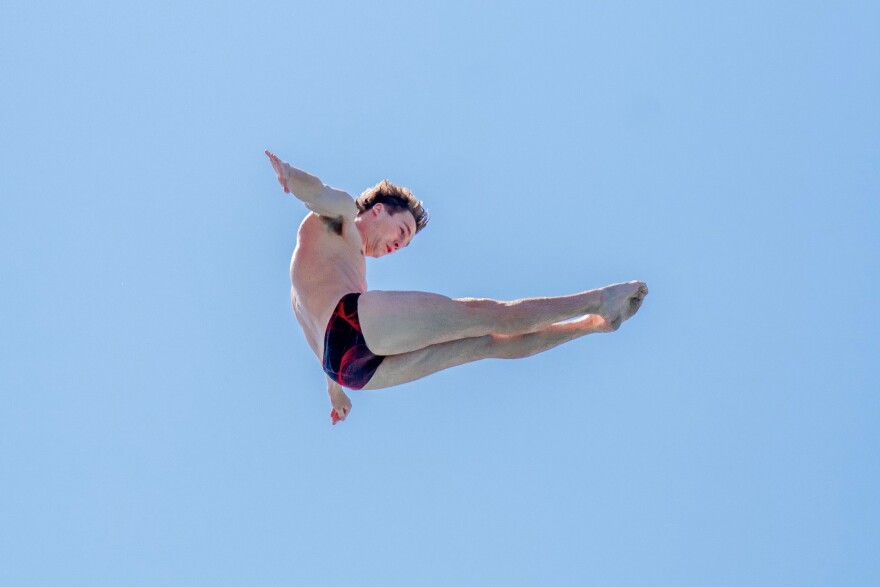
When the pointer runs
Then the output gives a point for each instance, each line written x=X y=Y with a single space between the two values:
x=370 y=339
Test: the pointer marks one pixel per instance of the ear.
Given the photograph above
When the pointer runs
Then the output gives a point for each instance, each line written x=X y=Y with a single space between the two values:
x=377 y=208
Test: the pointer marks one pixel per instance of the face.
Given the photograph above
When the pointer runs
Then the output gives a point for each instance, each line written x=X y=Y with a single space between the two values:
x=384 y=233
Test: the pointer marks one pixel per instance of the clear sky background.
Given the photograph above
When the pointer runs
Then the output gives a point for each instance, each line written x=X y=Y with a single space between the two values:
x=162 y=421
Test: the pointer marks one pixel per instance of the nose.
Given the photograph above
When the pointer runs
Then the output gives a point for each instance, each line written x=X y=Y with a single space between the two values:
x=396 y=245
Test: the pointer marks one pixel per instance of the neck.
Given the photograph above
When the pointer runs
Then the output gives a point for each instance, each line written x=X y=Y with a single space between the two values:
x=362 y=231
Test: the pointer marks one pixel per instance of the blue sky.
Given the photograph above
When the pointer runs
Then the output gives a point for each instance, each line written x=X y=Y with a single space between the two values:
x=162 y=421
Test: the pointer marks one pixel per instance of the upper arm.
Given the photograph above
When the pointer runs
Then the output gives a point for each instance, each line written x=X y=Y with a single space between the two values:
x=333 y=203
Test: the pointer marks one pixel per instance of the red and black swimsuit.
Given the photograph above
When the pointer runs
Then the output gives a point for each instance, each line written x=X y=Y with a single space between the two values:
x=347 y=360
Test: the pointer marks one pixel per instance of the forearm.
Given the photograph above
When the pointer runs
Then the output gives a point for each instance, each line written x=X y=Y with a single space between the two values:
x=333 y=388
x=317 y=197
x=303 y=184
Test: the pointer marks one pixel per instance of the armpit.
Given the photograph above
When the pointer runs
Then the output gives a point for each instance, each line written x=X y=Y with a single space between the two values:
x=334 y=224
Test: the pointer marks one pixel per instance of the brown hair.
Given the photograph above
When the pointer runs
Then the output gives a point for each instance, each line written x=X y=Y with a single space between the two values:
x=396 y=199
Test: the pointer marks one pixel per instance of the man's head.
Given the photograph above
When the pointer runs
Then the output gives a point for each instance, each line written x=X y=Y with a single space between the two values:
x=389 y=216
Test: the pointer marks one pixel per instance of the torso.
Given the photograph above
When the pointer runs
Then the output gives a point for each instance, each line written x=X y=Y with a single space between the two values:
x=328 y=263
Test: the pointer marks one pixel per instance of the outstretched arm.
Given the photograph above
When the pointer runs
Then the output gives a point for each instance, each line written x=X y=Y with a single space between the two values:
x=340 y=402
x=317 y=197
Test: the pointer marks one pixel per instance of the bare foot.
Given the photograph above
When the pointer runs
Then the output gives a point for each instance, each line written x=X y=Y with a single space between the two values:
x=281 y=168
x=621 y=301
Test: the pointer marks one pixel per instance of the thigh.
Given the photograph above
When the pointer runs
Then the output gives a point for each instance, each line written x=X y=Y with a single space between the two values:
x=396 y=322
x=406 y=367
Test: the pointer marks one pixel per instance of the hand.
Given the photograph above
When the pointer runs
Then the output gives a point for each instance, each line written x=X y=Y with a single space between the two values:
x=281 y=168
x=340 y=402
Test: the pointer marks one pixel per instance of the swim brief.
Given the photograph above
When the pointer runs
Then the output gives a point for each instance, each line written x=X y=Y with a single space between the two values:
x=347 y=360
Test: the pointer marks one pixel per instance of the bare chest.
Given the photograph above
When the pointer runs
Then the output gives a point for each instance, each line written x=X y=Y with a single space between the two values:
x=328 y=262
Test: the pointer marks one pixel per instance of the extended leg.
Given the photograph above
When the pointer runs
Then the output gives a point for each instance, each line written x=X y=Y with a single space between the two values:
x=406 y=367
x=396 y=322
